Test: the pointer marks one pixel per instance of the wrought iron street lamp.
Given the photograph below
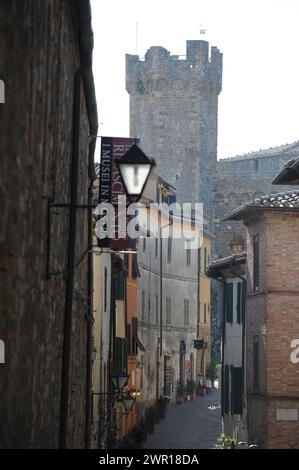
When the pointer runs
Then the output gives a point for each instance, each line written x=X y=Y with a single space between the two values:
x=119 y=380
x=134 y=168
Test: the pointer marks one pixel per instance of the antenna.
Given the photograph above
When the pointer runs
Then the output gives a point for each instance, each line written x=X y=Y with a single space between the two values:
x=202 y=29
x=136 y=38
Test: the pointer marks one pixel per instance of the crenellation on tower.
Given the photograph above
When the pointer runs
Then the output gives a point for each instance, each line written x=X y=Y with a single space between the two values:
x=173 y=111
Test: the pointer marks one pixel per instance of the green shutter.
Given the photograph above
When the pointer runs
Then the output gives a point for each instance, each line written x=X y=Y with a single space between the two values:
x=239 y=303
x=232 y=389
x=120 y=280
x=226 y=390
x=121 y=354
x=238 y=391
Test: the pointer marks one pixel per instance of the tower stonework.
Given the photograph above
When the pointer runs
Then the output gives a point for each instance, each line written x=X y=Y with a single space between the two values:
x=173 y=111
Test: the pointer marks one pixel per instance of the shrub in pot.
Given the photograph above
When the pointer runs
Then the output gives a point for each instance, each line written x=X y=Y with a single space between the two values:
x=150 y=418
x=190 y=389
x=162 y=405
x=139 y=434
x=179 y=393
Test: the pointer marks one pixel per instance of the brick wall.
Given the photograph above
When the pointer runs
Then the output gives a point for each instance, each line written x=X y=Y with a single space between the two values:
x=39 y=57
x=272 y=316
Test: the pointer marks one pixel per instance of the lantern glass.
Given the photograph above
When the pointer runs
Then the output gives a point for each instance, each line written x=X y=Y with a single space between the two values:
x=119 y=380
x=128 y=402
x=134 y=176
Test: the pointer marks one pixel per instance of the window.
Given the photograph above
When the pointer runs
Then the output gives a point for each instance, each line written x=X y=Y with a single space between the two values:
x=169 y=247
x=186 y=311
x=134 y=335
x=239 y=302
x=205 y=261
x=256 y=165
x=255 y=263
x=156 y=247
x=143 y=244
x=188 y=256
x=120 y=354
x=120 y=283
x=157 y=309
x=168 y=310
x=228 y=299
x=205 y=313
x=143 y=305
x=129 y=339
x=126 y=263
x=256 y=362
x=236 y=390
x=135 y=269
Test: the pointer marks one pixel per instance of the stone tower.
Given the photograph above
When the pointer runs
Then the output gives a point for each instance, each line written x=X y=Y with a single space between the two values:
x=173 y=111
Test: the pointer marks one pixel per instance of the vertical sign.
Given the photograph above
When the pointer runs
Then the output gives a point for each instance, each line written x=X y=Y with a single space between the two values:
x=111 y=187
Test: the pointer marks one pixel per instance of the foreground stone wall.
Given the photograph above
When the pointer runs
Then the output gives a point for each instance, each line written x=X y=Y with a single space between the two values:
x=39 y=57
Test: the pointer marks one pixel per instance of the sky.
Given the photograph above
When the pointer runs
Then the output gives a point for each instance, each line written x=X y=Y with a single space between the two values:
x=259 y=39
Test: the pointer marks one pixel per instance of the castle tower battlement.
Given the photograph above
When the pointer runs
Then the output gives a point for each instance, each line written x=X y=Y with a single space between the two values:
x=173 y=111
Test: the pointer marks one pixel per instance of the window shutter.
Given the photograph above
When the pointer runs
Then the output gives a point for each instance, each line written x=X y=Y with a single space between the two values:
x=229 y=302
x=120 y=286
x=238 y=391
x=239 y=302
x=134 y=335
x=121 y=358
x=232 y=389
x=243 y=301
x=226 y=390
x=135 y=269
x=129 y=338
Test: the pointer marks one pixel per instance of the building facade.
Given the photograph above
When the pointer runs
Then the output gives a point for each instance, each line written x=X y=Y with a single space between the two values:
x=169 y=304
x=230 y=273
x=272 y=224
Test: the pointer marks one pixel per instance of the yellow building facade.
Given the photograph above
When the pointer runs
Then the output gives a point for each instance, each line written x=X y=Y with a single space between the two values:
x=204 y=355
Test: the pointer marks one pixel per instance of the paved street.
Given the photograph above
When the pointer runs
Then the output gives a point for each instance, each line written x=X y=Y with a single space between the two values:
x=188 y=426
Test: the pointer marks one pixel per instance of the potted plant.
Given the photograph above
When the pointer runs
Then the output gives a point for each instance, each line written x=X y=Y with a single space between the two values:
x=138 y=434
x=127 y=442
x=179 y=393
x=190 y=389
x=211 y=372
x=150 y=418
x=162 y=405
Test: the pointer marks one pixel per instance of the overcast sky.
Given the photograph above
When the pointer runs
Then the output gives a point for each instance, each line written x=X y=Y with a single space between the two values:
x=259 y=102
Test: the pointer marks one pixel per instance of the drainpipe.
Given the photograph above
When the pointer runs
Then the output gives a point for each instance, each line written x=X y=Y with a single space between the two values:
x=85 y=35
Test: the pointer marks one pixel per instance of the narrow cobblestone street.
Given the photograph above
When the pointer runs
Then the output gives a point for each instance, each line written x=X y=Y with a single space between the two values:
x=188 y=426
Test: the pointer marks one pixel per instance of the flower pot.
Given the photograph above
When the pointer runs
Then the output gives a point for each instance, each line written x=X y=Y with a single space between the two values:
x=151 y=428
